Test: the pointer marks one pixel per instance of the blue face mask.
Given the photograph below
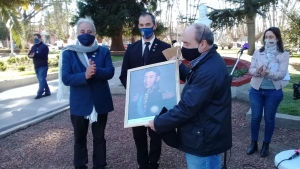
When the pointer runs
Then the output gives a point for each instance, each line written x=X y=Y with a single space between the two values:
x=86 y=39
x=146 y=32
x=36 y=40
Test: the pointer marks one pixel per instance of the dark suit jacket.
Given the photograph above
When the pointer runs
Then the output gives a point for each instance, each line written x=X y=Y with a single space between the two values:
x=84 y=94
x=133 y=56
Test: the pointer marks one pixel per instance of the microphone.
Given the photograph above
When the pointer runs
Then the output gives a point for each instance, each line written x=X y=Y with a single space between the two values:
x=297 y=152
x=245 y=47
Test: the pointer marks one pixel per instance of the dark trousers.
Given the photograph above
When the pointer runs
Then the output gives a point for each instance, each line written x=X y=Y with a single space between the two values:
x=145 y=160
x=80 y=126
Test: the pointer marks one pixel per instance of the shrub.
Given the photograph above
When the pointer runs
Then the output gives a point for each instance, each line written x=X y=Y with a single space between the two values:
x=57 y=56
x=3 y=67
x=238 y=72
x=53 y=62
x=21 y=68
x=11 y=60
x=18 y=60
x=230 y=45
x=24 y=59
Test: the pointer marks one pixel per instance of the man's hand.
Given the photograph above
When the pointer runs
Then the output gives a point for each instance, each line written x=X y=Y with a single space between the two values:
x=91 y=70
x=31 y=55
x=175 y=58
x=151 y=125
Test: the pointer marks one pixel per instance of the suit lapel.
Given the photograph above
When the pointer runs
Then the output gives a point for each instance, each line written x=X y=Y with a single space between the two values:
x=153 y=49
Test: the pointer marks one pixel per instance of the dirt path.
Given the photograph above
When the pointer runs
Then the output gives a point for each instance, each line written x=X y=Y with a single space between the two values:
x=49 y=145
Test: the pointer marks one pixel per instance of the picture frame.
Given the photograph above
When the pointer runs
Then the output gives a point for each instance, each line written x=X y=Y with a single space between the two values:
x=149 y=89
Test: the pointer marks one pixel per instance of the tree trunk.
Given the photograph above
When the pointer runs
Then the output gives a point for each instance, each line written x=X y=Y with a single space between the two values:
x=250 y=20
x=117 y=42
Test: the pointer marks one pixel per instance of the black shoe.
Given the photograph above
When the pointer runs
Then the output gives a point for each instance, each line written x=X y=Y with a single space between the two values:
x=38 y=96
x=264 y=150
x=45 y=95
x=253 y=147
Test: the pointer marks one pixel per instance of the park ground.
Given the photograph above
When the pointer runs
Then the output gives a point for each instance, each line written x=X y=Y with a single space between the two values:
x=49 y=144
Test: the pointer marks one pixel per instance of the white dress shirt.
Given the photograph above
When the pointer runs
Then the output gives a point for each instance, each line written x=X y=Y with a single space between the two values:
x=144 y=45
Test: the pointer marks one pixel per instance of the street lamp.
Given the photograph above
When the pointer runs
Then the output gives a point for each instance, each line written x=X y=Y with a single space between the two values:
x=12 y=54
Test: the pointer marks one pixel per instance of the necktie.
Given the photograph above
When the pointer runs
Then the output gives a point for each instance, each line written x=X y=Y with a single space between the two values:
x=146 y=52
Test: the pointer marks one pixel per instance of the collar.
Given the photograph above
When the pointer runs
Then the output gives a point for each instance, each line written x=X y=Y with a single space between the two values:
x=151 y=41
x=196 y=60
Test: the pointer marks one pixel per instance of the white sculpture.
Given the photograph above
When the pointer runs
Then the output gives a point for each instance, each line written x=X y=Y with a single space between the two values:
x=203 y=16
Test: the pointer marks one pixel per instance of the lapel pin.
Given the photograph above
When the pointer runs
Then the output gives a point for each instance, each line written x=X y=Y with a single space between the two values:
x=153 y=50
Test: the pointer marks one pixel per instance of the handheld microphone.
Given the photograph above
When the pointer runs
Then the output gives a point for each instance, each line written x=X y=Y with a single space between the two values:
x=245 y=47
x=297 y=152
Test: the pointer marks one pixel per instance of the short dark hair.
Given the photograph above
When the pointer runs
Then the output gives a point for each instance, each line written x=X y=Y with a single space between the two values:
x=38 y=35
x=277 y=33
x=155 y=70
x=150 y=14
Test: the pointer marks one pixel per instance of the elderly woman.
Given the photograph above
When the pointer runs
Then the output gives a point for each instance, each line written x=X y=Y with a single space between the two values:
x=86 y=68
x=269 y=70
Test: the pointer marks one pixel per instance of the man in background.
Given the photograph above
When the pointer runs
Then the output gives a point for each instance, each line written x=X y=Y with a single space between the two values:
x=39 y=53
x=146 y=51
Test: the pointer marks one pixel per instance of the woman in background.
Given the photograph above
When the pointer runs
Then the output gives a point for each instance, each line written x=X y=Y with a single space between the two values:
x=269 y=70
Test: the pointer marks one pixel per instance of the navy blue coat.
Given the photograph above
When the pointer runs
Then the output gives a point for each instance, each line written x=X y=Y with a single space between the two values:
x=203 y=115
x=41 y=52
x=84 y=94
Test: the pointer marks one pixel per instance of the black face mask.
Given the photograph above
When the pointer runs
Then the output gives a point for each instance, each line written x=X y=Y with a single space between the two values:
x=190 y=54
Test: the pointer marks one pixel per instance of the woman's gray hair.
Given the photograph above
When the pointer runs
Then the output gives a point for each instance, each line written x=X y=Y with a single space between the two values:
x=86 y=19
x=203 y=33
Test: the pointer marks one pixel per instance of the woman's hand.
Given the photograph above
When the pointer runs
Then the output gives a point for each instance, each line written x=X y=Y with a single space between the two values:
x=91 y=70
x=259 y=69
x=265 y=73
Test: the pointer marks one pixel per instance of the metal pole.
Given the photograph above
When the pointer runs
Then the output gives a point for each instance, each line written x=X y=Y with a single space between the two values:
x=11 y=44
x=237 y=61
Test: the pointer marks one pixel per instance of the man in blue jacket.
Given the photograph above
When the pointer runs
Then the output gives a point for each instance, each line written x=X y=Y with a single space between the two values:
x=39 y=53
x=203 y=115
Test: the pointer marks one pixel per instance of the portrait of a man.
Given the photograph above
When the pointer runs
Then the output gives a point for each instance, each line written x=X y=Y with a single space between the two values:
x=151 y=89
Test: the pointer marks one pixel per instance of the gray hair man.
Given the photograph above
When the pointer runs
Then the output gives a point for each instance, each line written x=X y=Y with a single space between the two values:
x=203 y=115
x=87 y=67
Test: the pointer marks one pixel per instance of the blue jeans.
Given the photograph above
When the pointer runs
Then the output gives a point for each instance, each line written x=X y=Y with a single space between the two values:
x=264 y=101
x=197 y=162
x=41 y=74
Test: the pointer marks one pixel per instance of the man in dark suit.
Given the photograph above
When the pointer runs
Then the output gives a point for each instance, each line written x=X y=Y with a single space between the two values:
x=146 y=51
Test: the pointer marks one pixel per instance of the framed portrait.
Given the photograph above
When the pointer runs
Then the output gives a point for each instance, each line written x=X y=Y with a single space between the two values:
x=149 y=89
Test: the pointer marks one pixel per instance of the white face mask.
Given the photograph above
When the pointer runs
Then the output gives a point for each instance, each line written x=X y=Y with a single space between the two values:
x=270 y=42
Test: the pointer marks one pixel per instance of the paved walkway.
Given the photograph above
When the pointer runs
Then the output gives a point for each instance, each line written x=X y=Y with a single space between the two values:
x=18 y=108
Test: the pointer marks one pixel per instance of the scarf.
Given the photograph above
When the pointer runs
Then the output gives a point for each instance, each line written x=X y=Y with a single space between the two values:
x=81 y=53
x=271 y=52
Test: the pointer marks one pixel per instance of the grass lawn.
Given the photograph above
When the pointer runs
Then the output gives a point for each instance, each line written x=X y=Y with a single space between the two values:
x=116 y=58
x=288 y=105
